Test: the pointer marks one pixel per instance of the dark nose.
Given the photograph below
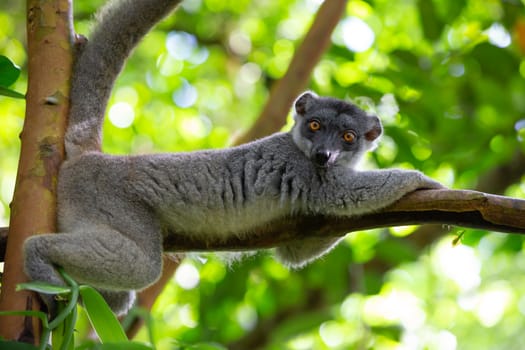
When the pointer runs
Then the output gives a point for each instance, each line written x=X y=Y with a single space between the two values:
x=321 y=158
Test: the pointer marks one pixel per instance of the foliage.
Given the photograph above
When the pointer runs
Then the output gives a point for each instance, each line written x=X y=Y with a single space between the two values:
x=447 y=78
x=102 y=319
x=9 y=73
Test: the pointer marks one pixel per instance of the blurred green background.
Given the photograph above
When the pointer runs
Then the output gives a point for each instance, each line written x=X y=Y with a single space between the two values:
x=447 y=78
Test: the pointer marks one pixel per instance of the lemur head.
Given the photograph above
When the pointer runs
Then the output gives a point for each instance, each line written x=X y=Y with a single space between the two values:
x=333 y=132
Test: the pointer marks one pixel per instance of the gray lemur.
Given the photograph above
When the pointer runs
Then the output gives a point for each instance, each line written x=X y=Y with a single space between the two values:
x=115 y=211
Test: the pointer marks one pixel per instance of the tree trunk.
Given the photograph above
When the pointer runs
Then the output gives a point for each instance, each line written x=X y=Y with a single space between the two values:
x=33 y=210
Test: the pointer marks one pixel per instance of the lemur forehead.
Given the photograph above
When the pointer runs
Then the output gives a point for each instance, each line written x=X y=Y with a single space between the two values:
x=341 y=115
x=335 y=107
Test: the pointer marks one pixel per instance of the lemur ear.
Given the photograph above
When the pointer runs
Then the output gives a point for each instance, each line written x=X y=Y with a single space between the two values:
x=301 y=103
x=374 y=128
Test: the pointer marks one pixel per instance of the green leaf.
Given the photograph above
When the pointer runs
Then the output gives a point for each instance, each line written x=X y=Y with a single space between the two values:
x=101 y=317
x=13 y=345
x=67 y=309
x=63 y=334
x=207 y=346
x=121 y=346
x=11 y=93
x=41 y=287
x=9 y=72
x=431 y=24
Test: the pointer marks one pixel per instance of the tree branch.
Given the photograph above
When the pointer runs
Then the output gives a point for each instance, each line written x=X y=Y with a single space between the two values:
x=448 y=207
x=494 y=181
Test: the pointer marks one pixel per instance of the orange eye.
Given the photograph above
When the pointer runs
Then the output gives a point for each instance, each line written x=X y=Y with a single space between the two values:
x=349 y=136
x=314 y=125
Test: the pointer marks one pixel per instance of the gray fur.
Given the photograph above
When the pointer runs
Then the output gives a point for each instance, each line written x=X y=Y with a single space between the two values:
x=114 y=211
x=112 y=225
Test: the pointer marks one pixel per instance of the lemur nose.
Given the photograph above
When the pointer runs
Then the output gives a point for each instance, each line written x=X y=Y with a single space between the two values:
x=321 y=158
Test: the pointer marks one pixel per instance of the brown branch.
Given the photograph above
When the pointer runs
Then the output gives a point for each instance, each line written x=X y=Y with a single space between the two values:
x=448 y=207
x=295 y=80
x=495 y=181
x=3 y=242
x=49 y=33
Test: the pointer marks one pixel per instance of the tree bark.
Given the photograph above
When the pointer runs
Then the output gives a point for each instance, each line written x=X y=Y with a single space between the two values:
x=494 y=181
x=49 y=40
x=447 y=207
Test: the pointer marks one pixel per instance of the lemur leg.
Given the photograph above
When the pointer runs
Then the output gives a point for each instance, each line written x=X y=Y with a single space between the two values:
x=300 y=253
x=104 y=259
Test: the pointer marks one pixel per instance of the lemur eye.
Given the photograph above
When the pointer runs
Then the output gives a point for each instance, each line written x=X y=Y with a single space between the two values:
x=314 y=125
x=349 y=136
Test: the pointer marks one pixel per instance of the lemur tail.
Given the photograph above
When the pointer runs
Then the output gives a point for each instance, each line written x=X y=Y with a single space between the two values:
x=121 y=24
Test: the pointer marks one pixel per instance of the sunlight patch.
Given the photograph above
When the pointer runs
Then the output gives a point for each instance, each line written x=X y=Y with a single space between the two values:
x=240 y=43
x=491 y=304
x=121 y=115
x=394 y=306
x=181 y=45
x=187 y=276
x=186 y=96
x=196 y=127
x=460 y=264
x=498 y=35
x=357 y=35
x=246 y=317
x=332 y=333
